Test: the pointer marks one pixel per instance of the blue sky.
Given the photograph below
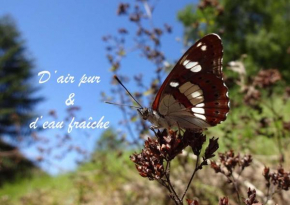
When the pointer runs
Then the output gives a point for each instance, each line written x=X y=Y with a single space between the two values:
x=67 y=36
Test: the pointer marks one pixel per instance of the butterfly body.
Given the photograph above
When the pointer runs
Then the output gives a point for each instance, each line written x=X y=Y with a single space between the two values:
x=194 y=95
x=155 y=118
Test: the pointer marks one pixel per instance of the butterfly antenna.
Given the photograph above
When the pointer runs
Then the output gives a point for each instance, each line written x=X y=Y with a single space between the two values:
x=122 y=105
x=127 y=90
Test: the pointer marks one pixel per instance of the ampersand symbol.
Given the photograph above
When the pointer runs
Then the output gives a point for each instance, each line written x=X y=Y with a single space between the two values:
x=70 y=100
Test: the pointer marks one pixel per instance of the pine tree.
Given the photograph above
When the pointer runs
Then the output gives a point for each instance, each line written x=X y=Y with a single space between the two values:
x=16 y=91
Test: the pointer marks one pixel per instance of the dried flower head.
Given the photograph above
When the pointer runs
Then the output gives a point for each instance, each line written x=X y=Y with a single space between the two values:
x=286 y=126
x=280 y=178
x=267 y=176
x=266 y=78
x=252 y=95
x=215 y=167
x=229 y=161
x=167 y=146
x=212 y=147
x=192 y=202
x=149 y=162
x=224 y=201
x=208 y=3
x=195 y=142
x=251 y=200
x=122 y=9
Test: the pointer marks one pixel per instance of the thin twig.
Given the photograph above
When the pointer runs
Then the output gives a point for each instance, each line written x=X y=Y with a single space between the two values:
x=167 y=175
x=236 y=188
x=197 y=167
x=163 y=183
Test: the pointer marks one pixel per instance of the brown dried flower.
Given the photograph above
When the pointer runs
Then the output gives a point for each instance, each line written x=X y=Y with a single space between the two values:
x=135 y=17
x=224 y=201
x=192 y=202
x=252 y=95
x=170 y=144
x=229 y=161
x=251 y=200
x=211 y=148
x=280 y=178
x=149 y=163
x=215 y=167
x=286 y=126
x=167 y=146
x=123 y=31
x=208 y=3
x=267 y=175
x=266 y=78
x=245 y=161
x=122 y=9
x=195 y=142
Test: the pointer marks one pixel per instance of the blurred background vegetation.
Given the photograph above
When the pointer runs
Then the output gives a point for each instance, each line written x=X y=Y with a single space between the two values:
x=256 y=42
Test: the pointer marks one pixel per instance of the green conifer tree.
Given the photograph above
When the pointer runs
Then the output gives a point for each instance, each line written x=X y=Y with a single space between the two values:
x=17 y=98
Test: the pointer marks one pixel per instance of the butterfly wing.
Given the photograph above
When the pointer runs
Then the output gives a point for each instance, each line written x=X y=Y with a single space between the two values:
x=194 y=94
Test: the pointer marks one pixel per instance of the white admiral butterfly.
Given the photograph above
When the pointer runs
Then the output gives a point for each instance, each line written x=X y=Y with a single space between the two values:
x=194 y=95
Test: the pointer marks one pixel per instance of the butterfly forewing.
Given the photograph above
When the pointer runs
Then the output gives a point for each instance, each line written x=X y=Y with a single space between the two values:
x=194 y=94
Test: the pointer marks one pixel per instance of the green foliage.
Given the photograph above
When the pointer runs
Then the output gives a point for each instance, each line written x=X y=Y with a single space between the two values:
x=40 y=188
x=107 y=178
x=110 y=141
x=16 y=91
x=259 y=29
x=14 y=166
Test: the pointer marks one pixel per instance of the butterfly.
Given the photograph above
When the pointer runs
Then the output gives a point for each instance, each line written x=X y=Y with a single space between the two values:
x=194 y=95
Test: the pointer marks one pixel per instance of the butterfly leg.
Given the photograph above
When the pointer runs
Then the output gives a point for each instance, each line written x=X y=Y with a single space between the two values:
x=179 y=129
x=153 y=129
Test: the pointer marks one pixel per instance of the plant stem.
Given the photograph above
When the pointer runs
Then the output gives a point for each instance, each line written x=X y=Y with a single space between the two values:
x=193 y=174
x=167 y=175
x=236 y=188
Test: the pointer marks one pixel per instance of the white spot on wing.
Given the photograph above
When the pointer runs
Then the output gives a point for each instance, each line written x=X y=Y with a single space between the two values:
x=191 y=90
x=196 y=94
x=174 y=84
x=200 y=116
x=196 y=68
x=185 y=62
x=197 y=110
x=199 y=44
x=203 y=48
x=190 y=65
x=197 y=100
x=200 y=105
